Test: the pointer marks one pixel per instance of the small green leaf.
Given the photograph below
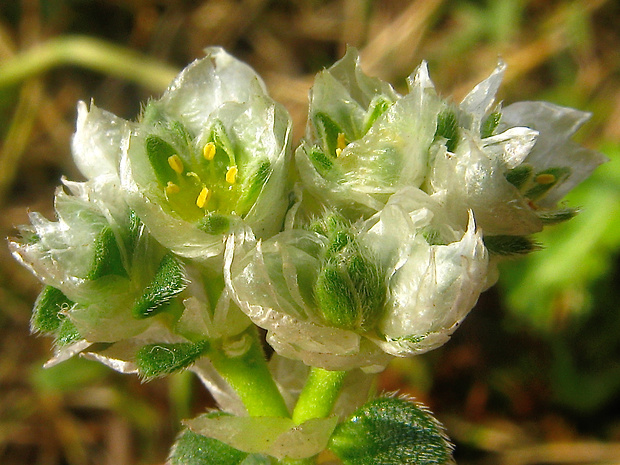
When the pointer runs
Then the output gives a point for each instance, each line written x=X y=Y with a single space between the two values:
x=46 y=316
x=158 y=151
x=519 y=176
x=391 y=431
x=545 y=180
x=328 y=131
x=253 y=185
x=107 y=259
x=220 y=138
x=335 y=298
x=378 y=105
x=370 y=288
x=155 y=360
x=448 y=128
x=510 y=245
x=214 y=223
x=169 y=281
x=557 y=216
x=490 y=124
x=194 y=449
x=67 y=333
x=322 y=162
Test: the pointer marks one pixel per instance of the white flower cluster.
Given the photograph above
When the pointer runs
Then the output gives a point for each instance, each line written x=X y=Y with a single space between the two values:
x=373 y=239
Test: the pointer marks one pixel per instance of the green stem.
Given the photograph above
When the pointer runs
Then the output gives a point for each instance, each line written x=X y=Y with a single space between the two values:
x=89 y=53
x=249 y=376
x=319 y=395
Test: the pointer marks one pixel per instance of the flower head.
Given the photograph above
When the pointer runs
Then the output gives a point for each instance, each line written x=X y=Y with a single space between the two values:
x=340 y=295
x=210 y=155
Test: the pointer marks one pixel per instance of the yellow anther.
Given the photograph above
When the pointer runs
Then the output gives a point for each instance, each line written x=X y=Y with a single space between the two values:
x=231 y=174
x=176 y=163
x=172 y=188
x=545 y=178
x=338 y=152
x=340 y=142
x=209 y=151
x=203 y=197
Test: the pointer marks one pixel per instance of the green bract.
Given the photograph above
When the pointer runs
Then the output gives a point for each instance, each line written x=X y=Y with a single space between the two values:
x=211 y=153
x=339 y=295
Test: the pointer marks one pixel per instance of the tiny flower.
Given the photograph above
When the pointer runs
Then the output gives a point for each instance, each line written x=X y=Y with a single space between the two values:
x=210 y=155
x=340 y=295
x=364 y=141
x=510 y=166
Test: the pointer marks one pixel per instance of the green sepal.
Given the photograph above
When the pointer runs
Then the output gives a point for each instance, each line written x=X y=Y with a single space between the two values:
x=214 y=223
x=220 y=138
x=155 y=360
x=107 y=259
x=510 y=245
x=67 y=333
x=448 y=128
x=194 y=449
x=557 y=216
x=168 y=282
x=335 y=298
x=253 y=185
x=349 y=290
x=391 y=431
x=519 y=176
x=539 y=190
x=46 y=315
x=328 y=131
x=158 y=151
x=378 y=105
x=487 y=129
x=321 y=162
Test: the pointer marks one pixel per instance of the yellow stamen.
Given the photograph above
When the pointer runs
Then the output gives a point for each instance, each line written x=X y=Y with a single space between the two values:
x=338 y=152
x=545 y=178
x=209 y=151
x=340 y=142
x=172 y=188
x=231 y=174
x=203 y=197
x=176 y=163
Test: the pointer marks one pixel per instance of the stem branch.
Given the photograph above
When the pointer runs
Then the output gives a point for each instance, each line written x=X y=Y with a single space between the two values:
x=319 y=395
x=249 y=376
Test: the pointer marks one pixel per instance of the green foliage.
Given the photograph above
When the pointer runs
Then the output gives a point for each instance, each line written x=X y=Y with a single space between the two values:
x=490 y=124
x=169 y=281
x=519 y=176
x=253 y=185
x=194 y=449
x=350 y=290
x=161 y=359
x=158 y=151
x=67 y=333
x=46 y=316
x=510 y=245
x=214 y=223
x=107 y=259
x=328 y=131
x=391 y=431
x=448 y=128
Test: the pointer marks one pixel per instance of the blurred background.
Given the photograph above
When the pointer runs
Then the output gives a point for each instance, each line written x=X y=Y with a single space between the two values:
x=532 y=376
